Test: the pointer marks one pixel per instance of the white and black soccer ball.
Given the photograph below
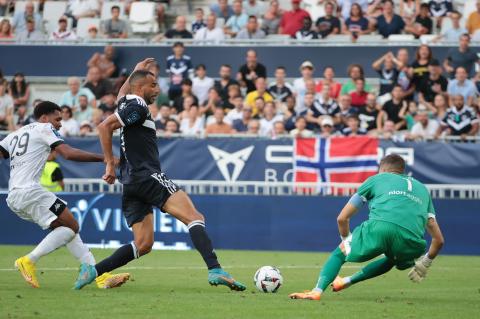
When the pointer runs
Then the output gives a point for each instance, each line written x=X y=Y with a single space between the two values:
x=268 y=279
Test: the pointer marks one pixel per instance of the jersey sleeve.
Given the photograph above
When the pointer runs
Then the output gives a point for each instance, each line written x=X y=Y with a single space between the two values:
x=4 y=148
x=366 y=190
x=51 y=136
x=132 y=113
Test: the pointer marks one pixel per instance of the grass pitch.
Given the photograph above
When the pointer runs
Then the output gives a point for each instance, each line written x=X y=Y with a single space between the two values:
x=174 y=285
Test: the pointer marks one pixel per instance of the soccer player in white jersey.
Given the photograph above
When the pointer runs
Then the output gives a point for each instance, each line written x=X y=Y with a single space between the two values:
x=28 y=149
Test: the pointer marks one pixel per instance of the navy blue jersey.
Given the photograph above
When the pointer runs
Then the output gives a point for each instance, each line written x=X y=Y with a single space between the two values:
x=139 y=157
x=459 y=121
x=178 y=69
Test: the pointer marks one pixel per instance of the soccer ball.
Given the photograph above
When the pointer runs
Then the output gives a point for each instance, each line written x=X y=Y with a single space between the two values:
x=268 y=279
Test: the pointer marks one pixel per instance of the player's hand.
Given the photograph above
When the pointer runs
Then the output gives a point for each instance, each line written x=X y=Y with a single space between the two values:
x=143 y=65
x=346 y=245
x=109 y=175
x=419 y=271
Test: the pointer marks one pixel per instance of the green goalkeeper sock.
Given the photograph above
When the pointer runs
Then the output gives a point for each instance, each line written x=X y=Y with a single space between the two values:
x=373 y=269
x=331 y=269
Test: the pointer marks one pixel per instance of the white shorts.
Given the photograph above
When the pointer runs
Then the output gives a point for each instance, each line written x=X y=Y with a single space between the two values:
x=36 y=204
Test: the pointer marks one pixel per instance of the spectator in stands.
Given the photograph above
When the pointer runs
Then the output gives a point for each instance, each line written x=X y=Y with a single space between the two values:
x=201 y=83
x=180 y=30
x=250 y=71
x=460 y=119
x=70 y=126
x=199 y=22
x=439 y=9
x=108 y=104
x=328 y=24
x=409 y=9
x=222 y=10
x=271 y=18
x=453 y=33
x=355 y=71
x=98 y=86
x=353 y=127
x=171 y=127
x=241 y=125
x=19 y=90
x=20 y=118
x=423 y=23
x=345 y=6
x=78 y=9
x=279 y=129
x=31 y=33
x=254 y=8
x=260 y=91
x=419 y=68
x=435 y=83
x=389 y=23
x=473 y=20
x=72 y=96
x=292 y=21
x=115 y=27
x=219 y=126
x=62 y=33
x=6 y=105
x=162 y=118
x=369 y=114
x=356 y=24
x=307 y=104
x=237 y=112
x=237 y=21
x=321 y=107
x=409 y=112
x=214 y=101
x=462 y=56
x=251 y=30
x=225 y=81
x=5 y=7
x=391 y=109
x=270 y=116
x=403 y=78
x=187 y=86
x=6 y=29
x=425 y=128
x=210 y=33
x=253 y=127
x=301 y=128
x=92 y=33
x=105 y=62
x=359 y=95
x=21 y=18
x=463 y=86
x=439 y=106
x=193 y=123
x=188 y=102
x=86 y=128
x=280 y=89
x=329 y=79
x=306 y=32
x=388 y=72
x=388 y=131
x=179 y=67
x=122 y=78
x=233 y=92
x=327 y=127
x=300 y=84
x=83 y=111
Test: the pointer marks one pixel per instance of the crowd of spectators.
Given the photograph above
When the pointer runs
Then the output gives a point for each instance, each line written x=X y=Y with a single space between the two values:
x=252 y=19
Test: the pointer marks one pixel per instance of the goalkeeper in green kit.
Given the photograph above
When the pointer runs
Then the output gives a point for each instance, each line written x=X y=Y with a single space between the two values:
x=401 y=210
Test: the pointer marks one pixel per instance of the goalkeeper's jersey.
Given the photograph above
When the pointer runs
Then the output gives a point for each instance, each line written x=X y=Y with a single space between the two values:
x=398 y=199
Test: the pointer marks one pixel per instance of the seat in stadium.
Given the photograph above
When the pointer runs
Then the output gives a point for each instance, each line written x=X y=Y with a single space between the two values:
x=370 y=38
x=53 y=10
x=20 y=5
x=401 y=37
x=107 y=9
x=142 y=17
x=469 y=7
x=316 y=10
x=427 y=38
x=84 y=24
x=339 y=38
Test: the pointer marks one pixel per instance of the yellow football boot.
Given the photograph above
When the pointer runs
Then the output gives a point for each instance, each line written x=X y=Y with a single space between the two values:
x=28 y=270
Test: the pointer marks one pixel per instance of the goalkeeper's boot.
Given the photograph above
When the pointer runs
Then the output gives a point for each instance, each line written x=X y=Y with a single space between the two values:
x=218 y=276
x=339 y=284
x=87 y=274
x=108 y=280
x=308 y=295
x=27 y=269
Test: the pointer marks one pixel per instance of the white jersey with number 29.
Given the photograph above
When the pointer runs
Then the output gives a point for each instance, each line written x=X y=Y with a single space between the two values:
x=28 y=149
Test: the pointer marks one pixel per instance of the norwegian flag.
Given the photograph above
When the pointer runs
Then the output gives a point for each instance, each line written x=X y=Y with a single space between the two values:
x=336 y=159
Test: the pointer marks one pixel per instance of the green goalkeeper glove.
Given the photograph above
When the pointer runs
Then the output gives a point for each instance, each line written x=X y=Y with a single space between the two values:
x=419 y=271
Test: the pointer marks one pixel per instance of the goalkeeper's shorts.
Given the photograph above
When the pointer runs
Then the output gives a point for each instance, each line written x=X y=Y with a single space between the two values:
x=374 y=238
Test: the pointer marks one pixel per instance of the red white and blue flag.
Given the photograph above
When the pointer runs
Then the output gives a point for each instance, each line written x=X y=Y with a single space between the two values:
x=336 y=159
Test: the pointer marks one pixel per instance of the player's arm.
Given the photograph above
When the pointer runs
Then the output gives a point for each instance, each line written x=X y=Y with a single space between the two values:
x=76 y=155
x=105 y=132
x=343 y=221
x=434 y=231
x=143 y=65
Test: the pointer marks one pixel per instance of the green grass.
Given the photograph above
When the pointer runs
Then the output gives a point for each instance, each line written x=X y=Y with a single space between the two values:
x=174 y=285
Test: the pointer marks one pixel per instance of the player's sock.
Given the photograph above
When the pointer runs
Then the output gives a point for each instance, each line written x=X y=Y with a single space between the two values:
x=55 y=239
x=78 y=249
x=330 y=270
x=203 y=244
x=373 y=269
x=119 y=258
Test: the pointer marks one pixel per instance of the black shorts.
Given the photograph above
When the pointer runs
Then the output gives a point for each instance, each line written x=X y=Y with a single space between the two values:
x=138 y=199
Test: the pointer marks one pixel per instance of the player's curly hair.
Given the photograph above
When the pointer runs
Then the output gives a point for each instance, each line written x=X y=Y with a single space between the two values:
x=45 y=108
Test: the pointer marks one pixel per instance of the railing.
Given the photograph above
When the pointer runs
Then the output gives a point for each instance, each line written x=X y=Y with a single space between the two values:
x=261 y=188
